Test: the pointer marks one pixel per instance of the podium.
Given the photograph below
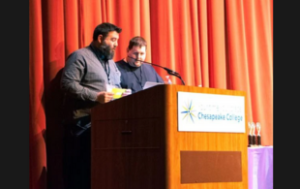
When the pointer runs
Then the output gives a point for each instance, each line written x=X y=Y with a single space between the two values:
x=135 y=144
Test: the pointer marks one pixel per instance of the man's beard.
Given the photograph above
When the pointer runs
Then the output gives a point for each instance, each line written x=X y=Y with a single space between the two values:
x=106 y=51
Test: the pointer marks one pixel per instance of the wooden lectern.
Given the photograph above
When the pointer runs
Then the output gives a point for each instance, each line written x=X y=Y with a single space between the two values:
x=135 y=144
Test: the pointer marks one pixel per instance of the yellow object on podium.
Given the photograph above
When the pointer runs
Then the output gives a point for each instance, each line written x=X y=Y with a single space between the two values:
x=118 y=92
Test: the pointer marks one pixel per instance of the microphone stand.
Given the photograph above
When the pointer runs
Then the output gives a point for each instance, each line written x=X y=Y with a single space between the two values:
x=171 y=72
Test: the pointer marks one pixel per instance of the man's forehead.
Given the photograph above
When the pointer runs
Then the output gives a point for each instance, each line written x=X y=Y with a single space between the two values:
x=113 y=34
x=138 y=48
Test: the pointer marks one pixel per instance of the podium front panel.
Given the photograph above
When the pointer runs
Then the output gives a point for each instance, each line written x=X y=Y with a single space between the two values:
x=136 y=143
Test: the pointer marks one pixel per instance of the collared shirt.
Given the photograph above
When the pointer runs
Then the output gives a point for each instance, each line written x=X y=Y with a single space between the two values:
x=83 y=78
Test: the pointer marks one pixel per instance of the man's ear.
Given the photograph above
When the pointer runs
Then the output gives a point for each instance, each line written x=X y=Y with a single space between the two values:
x=100 y=38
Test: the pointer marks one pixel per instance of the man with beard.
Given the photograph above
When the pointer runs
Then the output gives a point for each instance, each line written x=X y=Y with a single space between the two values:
x=134 y=74
x=87 y=73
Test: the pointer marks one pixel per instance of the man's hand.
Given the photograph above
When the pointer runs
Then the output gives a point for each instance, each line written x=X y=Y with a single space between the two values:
x=104 y=97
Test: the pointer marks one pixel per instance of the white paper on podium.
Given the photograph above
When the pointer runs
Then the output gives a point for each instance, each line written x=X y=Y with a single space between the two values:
x=149 y=84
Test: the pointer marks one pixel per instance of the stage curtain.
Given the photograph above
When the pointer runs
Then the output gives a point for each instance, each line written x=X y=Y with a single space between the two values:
x=225 y=44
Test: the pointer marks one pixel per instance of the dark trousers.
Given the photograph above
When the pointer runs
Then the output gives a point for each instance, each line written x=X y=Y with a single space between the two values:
x=77 y=159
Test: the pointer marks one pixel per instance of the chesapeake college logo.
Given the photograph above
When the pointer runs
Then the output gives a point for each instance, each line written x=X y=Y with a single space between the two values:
x=188 y=111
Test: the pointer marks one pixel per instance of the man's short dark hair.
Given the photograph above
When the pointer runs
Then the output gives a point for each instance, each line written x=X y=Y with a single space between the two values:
x=137 y=41
x=104 y=28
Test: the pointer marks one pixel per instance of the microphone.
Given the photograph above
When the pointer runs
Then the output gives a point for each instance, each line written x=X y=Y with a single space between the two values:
x=171 y=72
